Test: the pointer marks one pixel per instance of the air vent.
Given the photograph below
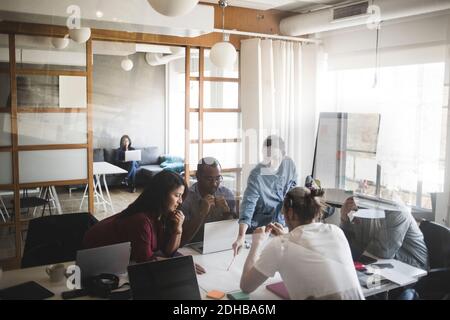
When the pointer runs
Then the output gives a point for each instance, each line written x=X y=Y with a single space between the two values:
x=352 y=10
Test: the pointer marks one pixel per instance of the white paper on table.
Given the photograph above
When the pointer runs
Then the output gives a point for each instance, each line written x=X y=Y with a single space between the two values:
x=375 y=203
x=217 y=277
x=392 y=275
x=369 y=214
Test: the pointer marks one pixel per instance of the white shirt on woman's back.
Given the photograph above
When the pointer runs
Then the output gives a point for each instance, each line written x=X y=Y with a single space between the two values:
x=314 y=262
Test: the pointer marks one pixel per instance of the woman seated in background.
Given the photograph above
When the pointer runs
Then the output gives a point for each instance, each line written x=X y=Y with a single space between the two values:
x=313 y=259
x=130 y=166
x=152 y=223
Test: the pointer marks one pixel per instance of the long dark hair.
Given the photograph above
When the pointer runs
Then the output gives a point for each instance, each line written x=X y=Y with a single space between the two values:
x=125 y=136
x=153 y=200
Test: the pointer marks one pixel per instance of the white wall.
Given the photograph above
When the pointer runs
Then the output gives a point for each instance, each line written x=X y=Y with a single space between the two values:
x=130 y=103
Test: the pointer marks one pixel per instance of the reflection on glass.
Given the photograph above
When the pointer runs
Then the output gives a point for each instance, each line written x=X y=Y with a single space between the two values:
x=221 y=95
x=412 y=100
x=6 y=206
x=52 y=128
x=7 y=243
x=51 y=200
x=40 y=53
x=176 y=103
x=230 y=181
x=5 y=168
x=193 y=156
x=193 y=116
x=221 y=125
x=5 y=129
x=4 y=50
x=38 y=91
x=51 y=91
x=361 y=172
x=5 y=86
x=228 y=154
x=5 y=90
x=195 y=62
x=351 y=140
x=52 y=165
x=194 y=94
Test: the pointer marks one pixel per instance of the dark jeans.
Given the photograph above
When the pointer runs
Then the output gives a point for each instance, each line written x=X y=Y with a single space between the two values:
x=131 y=167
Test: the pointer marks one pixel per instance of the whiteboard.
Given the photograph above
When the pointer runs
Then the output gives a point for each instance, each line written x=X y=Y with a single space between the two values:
x=346 y=145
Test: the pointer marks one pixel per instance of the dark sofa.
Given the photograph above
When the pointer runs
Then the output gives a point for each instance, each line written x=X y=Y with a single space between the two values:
x=148 y=166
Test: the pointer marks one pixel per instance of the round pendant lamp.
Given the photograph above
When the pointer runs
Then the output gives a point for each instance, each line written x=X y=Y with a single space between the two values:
x=127 y=64
x=80 y=35
x=60 y=43
x=223 y=54
x=173 y=8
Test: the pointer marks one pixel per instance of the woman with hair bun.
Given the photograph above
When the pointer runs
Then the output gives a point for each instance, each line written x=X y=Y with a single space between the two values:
x=313 y=259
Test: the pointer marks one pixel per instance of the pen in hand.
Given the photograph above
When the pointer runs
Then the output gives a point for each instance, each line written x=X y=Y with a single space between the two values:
x=228 y=269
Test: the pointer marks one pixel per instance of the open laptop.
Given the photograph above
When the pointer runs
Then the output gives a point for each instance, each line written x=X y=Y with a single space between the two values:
x=133 y=155
x=171 y=279
x=218 y=236
x=112 y=259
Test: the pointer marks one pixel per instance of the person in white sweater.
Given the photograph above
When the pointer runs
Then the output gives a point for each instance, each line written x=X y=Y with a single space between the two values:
x=313 y=259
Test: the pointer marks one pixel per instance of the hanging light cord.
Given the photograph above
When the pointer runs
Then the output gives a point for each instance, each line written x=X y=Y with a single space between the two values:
x=223 y=22
x=377 y=48
x=223 y=4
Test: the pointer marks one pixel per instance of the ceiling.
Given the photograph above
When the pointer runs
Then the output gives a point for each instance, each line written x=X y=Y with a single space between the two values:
x=288 y=5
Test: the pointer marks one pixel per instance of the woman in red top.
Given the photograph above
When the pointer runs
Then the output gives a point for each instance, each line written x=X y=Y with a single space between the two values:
x=151 y=223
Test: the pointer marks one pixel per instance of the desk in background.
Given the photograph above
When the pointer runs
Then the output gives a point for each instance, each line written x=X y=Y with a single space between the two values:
x=101 y=169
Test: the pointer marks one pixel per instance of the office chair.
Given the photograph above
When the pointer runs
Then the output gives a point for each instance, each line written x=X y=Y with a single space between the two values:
x=436 y=285
x=54 y=239
x=27 y=202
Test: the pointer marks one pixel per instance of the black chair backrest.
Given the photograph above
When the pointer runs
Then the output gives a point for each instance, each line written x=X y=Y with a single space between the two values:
x=54 y=239
x=437 y=240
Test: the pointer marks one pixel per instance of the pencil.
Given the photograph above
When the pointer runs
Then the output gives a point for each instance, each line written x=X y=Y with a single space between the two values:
x=228 y=269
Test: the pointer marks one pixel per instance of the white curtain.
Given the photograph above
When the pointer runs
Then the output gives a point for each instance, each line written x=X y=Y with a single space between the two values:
x=273 y=69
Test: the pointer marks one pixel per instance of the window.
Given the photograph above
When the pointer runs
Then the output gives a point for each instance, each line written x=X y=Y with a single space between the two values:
x=212 y=115
x=413 y=104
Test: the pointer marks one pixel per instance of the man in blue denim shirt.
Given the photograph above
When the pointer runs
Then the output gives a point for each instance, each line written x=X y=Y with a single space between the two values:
x=267 y=186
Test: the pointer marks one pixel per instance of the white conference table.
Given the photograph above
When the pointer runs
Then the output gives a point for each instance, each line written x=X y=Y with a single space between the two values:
x=101 y=169
x=216 y=277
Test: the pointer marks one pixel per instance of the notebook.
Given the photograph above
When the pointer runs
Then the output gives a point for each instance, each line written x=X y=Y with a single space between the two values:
x=26 y=291
x=279 y=289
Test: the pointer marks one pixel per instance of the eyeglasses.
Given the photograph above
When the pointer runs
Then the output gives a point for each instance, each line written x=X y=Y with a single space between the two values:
x=214 y=179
